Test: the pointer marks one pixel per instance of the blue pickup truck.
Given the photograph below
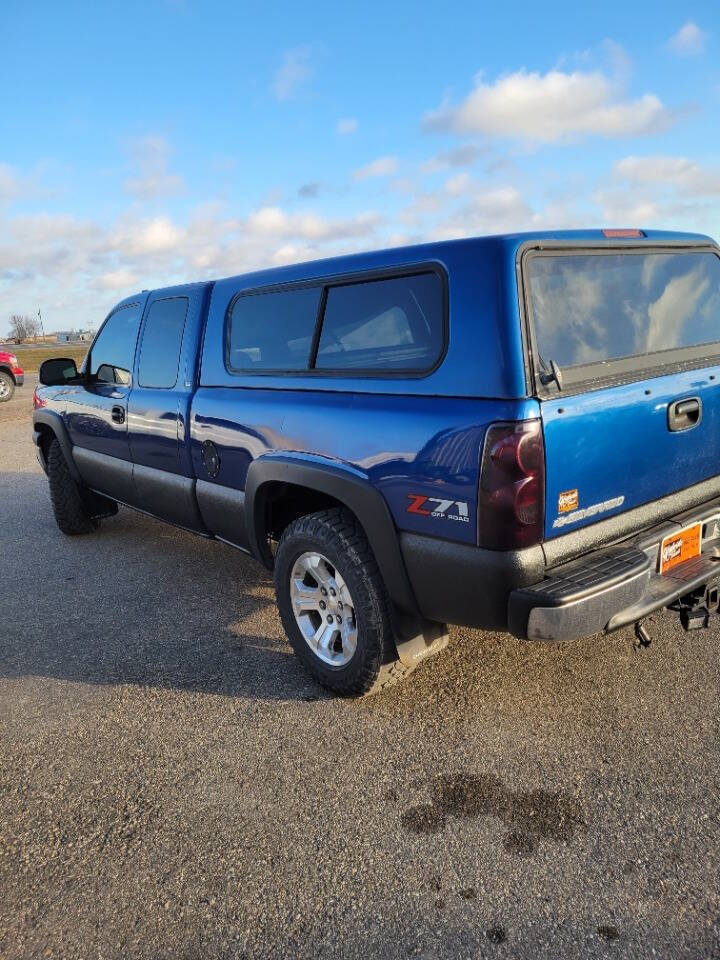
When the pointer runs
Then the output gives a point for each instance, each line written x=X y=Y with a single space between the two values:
x=517 y=432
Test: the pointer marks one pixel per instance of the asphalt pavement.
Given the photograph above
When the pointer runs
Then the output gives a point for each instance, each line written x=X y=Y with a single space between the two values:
x=172 y=785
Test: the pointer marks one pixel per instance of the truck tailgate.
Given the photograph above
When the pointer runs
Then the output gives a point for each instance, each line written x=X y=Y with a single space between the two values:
x=612 y=449
x=626 y=347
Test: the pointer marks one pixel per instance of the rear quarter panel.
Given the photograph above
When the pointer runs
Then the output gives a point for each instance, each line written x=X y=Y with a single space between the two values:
x=403 y=445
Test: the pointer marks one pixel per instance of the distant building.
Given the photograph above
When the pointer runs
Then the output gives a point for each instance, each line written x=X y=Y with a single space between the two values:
x=68 y=336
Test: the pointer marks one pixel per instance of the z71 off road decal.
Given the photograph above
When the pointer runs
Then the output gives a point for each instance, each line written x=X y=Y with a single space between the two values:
x=437 y=507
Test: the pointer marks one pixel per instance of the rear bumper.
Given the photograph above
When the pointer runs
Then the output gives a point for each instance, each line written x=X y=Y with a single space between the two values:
x=602 y=590
x=19 y=377
x=614 y=587
x=466 y=585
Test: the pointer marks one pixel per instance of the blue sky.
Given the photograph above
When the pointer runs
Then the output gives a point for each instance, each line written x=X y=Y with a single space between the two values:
x=149 y=143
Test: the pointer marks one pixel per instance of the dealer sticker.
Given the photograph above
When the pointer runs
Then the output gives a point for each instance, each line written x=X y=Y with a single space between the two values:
x=679 y=547
x=568 y=500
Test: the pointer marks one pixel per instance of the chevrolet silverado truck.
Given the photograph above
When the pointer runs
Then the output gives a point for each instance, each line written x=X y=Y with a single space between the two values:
x=11 y=375
x=516 y=433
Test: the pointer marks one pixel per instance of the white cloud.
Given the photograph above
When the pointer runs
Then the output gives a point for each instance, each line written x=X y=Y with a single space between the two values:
x=669 y=313
x=115 y=280
x=15 y=186
x=346 y=125
x=457 y=184
x=9 y=184
x=688 y=41
x=492 y=210
x=154 y=186
x=45 y=242
x=662 y=190
x=382 y=167
x=276 y=223
x=550 y=108
x=151 y=156
x=680 y=172
x=138 y=238
x=465 y=207
x=295 y=70
x=625 y=208
x=269 y=220
x=462 y=156
x=75 y=269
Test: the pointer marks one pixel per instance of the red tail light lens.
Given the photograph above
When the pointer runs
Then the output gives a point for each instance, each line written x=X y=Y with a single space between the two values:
x=512 y=486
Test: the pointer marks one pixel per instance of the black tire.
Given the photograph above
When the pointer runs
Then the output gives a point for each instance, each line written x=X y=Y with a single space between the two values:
x=337 y=536
x=7 y=387
x=72 y=513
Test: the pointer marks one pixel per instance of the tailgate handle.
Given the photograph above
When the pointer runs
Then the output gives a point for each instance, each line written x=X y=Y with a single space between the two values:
x=684 y=414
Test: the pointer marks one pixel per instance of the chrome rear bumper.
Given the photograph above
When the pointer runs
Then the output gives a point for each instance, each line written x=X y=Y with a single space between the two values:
x=615 y=586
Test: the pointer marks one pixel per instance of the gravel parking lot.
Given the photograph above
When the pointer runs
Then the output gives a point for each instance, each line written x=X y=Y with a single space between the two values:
x=172 y=785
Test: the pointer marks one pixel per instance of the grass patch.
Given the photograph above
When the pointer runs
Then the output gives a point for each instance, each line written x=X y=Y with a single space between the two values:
x=30 y=358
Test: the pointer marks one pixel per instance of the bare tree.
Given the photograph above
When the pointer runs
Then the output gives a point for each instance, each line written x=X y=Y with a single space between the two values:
x=22 y=328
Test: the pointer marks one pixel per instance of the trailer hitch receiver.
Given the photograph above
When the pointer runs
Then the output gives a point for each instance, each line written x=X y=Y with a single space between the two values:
x=695 y=608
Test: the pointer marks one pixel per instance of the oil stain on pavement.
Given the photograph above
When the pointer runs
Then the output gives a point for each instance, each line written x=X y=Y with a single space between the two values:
x=529 y=816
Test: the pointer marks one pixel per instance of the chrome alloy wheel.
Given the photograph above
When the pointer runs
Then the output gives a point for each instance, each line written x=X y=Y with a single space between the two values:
x=4 y=388
x=323 y=609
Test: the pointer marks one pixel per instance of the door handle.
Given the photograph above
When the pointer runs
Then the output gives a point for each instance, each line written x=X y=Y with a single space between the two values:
x=684 y=414
x=117 y=414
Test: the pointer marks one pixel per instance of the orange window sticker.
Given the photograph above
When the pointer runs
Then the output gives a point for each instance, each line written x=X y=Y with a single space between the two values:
x=568 y=500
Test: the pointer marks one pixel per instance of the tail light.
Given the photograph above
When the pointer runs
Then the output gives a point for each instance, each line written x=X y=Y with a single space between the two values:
x=512 y=486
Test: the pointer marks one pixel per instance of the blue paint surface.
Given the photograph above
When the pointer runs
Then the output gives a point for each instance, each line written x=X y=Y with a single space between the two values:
x=405 y=435
x=615 y=443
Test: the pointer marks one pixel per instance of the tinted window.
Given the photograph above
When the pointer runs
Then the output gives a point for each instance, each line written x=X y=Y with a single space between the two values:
x=114 y=350
x=161 y=342
x=591 y=308
x=274 y=330
x=383 y=324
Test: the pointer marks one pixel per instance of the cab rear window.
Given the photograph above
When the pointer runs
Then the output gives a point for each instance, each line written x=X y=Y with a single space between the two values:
x=273 y=329
x=591 y=308
x=389 y=324
x=370 y=326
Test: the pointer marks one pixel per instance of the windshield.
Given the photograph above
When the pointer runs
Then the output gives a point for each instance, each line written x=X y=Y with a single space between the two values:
x=594 y=307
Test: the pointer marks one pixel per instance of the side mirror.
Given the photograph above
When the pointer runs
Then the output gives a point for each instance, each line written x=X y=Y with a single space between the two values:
x=57 y=371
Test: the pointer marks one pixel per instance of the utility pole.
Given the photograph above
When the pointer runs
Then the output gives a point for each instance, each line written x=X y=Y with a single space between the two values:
x=42 y=332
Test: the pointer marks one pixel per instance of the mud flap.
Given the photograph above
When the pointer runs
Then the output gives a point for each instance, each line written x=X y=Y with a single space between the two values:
x=416 y=639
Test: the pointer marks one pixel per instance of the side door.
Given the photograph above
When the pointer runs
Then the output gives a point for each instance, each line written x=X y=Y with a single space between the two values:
x=96 y=409
x=158 y=406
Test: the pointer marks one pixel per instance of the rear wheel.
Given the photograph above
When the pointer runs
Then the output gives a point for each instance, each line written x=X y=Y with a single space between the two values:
x=7 y=387
x=334 y=606
x=76 y=510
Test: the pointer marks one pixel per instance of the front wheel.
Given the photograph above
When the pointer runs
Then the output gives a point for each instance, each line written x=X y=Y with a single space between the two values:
x=334 y=606
x=76 y=510
x=7 y=387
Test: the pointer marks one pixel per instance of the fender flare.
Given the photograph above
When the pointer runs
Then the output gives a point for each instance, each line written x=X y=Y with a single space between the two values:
x=350 y=489
x=53 y=420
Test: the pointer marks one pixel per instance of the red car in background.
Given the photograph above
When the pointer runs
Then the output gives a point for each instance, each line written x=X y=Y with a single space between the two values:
x=11 y=375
